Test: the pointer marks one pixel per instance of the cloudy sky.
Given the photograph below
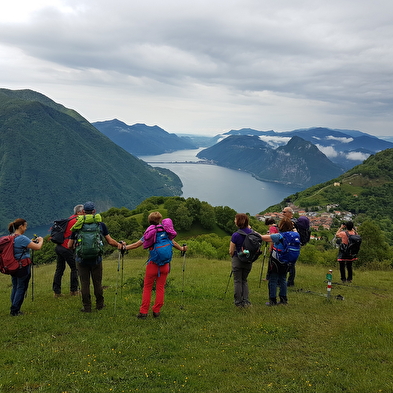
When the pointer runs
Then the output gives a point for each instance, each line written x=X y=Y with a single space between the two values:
x=207 y=66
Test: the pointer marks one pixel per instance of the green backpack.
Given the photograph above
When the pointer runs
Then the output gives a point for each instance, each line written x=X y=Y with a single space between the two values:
x=89 y=241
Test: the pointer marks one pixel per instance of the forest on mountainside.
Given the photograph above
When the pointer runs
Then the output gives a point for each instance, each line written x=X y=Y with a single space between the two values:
x=207 y=231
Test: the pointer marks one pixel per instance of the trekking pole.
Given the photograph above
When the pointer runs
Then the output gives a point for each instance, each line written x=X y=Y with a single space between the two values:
x=32 y=270
x=117 y=282
x=183 y=254
x=32 y=275
x=122 y=271
x=229 y=279
x=329 y=277
x=263 y=263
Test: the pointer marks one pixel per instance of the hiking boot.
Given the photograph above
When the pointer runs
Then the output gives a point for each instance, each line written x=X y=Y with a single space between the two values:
x=141 y=316
x=74 y=293
x=272 y=302
x=283 y=300
x=16 y=313
x=85 y=309
x=156 y=314
x=56 y=295
x=100 y=307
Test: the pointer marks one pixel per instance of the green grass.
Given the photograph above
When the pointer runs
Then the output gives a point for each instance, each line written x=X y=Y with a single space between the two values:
x=201 y=342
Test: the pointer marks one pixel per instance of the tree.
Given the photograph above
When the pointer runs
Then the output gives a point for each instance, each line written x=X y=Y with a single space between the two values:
x=225 y=217
x=193 y=206
x=181 y=217
x=207 y=216
x=374 y=247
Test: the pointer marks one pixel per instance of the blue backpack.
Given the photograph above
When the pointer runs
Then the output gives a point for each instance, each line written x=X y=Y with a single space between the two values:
x=289 y=249
x=161 y=251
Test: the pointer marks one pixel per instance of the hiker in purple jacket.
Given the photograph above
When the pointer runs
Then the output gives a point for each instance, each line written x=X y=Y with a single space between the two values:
x=240 y=270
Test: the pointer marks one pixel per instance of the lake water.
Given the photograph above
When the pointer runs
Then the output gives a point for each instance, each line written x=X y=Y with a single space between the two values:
x=221 y=186
x=213 y=184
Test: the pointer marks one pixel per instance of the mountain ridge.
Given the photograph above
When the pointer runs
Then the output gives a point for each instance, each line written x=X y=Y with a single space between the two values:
x=52 y=157
x=133 y=138
x=297 y=163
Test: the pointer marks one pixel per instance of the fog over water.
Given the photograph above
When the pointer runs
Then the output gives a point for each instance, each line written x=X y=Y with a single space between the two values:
x=220 y=186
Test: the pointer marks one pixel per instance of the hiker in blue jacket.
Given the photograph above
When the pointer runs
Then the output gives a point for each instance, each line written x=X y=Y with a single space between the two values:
x=22 y=247
x=278 y=271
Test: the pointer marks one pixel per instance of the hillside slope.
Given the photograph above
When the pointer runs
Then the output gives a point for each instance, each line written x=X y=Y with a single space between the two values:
x=51 y=158
x=365 y=189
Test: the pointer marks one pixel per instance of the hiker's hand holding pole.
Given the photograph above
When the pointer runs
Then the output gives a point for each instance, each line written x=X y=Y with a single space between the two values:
x=122 y=246
x=184 y=250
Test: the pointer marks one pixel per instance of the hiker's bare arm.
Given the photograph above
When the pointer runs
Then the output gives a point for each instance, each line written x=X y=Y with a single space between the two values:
x=112 y=242
x=36 y=244
x=266 y=238
x=232 y=248
x=178 y=246
x=134 y=245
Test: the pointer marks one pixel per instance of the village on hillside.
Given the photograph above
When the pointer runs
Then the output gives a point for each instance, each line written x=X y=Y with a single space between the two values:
x=321 y=219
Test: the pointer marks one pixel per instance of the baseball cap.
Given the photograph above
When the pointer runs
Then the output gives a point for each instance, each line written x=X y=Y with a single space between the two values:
x=88 y=206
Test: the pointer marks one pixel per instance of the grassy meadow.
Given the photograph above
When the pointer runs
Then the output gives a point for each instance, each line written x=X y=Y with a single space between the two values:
x=201 y=342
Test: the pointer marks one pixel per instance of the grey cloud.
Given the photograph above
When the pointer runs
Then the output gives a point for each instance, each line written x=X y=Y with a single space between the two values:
x=337 y=54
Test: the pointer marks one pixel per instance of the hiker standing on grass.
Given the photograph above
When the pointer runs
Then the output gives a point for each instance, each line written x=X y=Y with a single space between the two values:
x=66 y=255
x=156 y=273
x=288 y=213
x=86 y=239
x=240 y=269
x=345 y=260
x=271 y=222
x=20 y=279
x=278 y=271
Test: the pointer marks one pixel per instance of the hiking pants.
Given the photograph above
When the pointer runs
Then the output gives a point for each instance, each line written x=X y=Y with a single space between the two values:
x=65 y=255
x=20 y=283
x=154 y=274
x=240 y=271
x=277 y=278
x=348 y=265
x=95 y=272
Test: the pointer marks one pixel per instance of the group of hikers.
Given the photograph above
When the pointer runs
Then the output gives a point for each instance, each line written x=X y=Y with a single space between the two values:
x=286 y=240
x=81 y=247
x=79 y=244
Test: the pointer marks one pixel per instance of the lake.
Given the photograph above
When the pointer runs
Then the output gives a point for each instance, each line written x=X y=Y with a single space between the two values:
x=221 y=186
x=213 y=184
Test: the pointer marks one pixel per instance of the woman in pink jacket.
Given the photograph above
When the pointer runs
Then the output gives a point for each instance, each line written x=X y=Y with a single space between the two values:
x=155 y=273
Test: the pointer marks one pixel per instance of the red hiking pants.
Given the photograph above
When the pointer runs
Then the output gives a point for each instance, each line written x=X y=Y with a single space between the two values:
x=157 y=274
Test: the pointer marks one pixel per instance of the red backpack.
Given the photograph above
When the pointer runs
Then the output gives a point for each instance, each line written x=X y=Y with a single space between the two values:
x=8 y=263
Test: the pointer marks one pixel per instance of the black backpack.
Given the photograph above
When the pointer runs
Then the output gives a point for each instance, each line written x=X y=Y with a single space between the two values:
x=251 y=247
x=57 y=230
x=302 y=225
x=351 y=249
